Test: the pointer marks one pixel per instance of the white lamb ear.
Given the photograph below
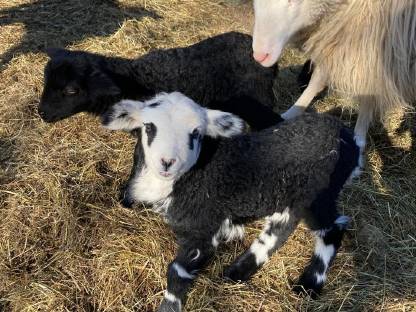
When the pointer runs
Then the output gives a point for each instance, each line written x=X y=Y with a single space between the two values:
x=124 y=115
x=223 y=124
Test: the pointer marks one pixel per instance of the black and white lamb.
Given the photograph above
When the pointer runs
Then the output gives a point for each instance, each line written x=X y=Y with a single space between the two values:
x=196 y=167
x=218 y=72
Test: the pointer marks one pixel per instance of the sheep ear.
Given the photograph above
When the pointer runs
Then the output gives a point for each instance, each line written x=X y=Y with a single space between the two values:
x=124 y=115
x=100 y=85
x=223 y=124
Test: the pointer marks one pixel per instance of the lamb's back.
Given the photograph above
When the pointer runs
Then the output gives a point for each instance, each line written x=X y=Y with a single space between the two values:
x=254 y=175
x=211 y=70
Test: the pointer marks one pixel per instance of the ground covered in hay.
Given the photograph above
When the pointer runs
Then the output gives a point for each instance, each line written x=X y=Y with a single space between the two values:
x=67 y=245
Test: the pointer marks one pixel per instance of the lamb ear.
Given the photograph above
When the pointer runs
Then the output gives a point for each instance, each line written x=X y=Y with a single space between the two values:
x=124 y=115
x=223 y=124
x=55 y=52
x=100 y=85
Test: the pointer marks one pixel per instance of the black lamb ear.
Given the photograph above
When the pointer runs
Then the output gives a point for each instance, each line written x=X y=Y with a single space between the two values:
x=55 y=52
x=100 y=85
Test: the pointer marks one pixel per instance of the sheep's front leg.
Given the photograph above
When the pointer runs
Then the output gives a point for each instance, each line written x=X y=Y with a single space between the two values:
x=317 y=84
x=278 y=228
x=365 y=117
x=192 y=257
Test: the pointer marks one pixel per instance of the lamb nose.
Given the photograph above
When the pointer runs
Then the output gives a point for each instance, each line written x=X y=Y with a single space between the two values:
x=167 y=163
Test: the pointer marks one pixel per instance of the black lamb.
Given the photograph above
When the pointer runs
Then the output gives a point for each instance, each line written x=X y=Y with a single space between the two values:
x=208 y=179
x=218 y=72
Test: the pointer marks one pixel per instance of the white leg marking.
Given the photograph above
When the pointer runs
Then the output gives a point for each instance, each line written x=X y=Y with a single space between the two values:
x=227 y=233
x=261 y=247
x=182 y=272
x=172 y=298
x=325 y=253
x=278 y=217
x=198 y=253
x=215 y=241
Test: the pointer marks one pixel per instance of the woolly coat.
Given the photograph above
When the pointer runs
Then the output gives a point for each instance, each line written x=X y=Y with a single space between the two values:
x=254 y=175
x=219 y=73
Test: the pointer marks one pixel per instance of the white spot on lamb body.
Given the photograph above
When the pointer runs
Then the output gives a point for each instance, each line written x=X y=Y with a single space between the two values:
x=227 y=233
x=182 y=272
x=149 y=188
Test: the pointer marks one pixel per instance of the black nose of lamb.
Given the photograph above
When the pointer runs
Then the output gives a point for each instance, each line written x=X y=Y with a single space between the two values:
x=167 y=163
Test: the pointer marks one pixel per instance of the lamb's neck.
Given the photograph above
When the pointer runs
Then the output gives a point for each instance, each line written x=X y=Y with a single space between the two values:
x=150 y=189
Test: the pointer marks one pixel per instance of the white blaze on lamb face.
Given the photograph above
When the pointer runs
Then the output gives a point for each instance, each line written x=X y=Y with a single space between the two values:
x=172 y=129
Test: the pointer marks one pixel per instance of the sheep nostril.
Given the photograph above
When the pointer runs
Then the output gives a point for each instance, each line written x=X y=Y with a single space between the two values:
x=260 y=57
x=167 y=163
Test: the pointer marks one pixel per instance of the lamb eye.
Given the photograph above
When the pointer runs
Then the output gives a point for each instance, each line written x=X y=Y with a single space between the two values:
x=70 y=91
x=148 y=127
x=195 y=133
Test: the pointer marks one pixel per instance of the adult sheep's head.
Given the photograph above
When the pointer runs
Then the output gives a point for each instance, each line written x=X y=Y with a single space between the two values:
x=73 y=83
x=172 y=129
x=277 y=21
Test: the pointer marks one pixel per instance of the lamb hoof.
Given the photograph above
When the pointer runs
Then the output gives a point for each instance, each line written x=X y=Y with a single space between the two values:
x=169 y=306
x=307 y=286
x=127 y=202
x=125 y=199
x=236 y=274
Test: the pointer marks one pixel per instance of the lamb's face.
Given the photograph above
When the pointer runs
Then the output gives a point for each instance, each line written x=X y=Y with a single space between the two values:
x=172 y=130
x=276 y=21
x=72 y=85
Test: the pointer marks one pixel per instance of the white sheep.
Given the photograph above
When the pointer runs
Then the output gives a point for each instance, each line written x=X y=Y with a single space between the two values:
x=364 y=49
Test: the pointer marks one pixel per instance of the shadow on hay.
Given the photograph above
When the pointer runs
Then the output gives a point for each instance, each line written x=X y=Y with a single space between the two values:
x=7 y=165
x=60 y=23
x=390 y=154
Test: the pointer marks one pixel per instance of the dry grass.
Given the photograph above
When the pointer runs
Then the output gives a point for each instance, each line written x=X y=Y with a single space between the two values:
x=67 y=245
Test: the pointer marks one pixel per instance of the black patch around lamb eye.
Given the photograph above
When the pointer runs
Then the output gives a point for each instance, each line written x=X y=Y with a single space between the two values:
x=151 y=131
x=195 y=135
x=191 y=142
x=122 y=115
